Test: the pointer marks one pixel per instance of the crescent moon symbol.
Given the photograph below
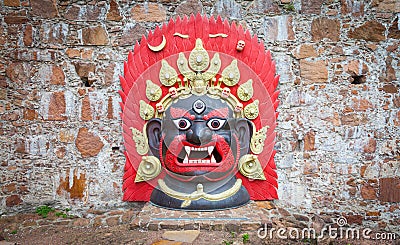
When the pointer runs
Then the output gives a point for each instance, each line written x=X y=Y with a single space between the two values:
x=159 y=47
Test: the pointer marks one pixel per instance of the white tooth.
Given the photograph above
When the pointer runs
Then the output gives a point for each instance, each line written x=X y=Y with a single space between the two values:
x=213 y=159
x=203 y=161
x=192 y=148
x=186 y=160
x=187 y=149
x=210 y=149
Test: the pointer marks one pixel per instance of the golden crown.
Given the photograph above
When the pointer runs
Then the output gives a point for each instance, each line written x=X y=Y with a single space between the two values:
x=200 y=76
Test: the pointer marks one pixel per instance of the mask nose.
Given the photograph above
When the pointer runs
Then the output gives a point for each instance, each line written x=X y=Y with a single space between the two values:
x=199 y=134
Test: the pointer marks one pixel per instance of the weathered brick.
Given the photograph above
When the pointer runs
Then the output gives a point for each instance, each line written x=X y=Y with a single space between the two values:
x=83 y=69
x=54 y=33
x=227 y=9
x=311 y=6
x=131 y=34
x=386 y=5
x=148 y=12
x=361 y=104
x=389 y=189
x=66 y=136
x=86 y=111
x=44 y=8
x=313 y=71
x=370 y=146
x=88 y=12
x=368 y=192
x=389 y=88
x=278 y=28
x=356 y=68
x=355 y=7
x=15 y=19
x=51 y=74
x=13 y=200
x=189 y=7
x=325 y=28
x=113 y=13
x=369 y=31
x=110 y=108
x=57 y=106
x=88 y=143
x=9 y=188
x=394 y=30
x=96 y=35
x=354 y=219
x=30 y=114
x=19 y=72
x=304 y=51
x=309 y=141
x=264 y=7
x=28 y=35
x=12 y=3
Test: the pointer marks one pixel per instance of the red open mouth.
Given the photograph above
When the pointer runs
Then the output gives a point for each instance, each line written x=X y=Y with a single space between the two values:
x=206 y=155
x=184 y=157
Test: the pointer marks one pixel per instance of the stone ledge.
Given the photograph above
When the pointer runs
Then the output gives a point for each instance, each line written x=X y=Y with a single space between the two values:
x=246 y=218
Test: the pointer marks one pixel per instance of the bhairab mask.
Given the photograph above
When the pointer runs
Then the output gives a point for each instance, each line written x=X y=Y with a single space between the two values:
x=199 y=117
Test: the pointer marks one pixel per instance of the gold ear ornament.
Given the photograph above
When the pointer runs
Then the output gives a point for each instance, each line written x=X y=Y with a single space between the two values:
x=250 y=166
x=149 y=168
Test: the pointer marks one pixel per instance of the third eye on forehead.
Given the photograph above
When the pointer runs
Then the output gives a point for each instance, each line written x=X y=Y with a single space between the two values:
x=210 y=113
x=199 y=106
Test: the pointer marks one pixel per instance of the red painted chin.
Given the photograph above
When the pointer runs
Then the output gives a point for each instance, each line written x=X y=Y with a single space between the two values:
x=184 y=157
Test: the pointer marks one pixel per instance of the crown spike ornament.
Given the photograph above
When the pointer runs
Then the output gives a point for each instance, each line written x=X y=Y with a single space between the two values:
x=199 y=106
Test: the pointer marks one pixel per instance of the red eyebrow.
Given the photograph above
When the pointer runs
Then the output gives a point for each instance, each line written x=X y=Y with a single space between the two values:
x=177 y=112
x=223 y=113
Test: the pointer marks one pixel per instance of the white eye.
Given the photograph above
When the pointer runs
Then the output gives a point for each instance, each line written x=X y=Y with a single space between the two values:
x=182 y=123
x=216 y=123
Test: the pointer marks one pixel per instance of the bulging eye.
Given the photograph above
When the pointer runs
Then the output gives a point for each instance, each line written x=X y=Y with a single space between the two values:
x=182 y=123
x=216 y=123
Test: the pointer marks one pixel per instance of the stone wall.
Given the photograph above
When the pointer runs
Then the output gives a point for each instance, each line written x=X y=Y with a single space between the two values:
x=338 y=143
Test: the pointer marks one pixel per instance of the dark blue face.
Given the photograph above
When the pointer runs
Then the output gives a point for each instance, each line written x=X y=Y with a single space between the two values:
x=198 y=118
x=197 y=134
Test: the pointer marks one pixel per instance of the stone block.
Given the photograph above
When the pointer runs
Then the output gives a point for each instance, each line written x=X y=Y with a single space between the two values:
x=181 y=236
x=325 y=28
x=311 y=6
x=372 y=31
x=88 y=143
x=304 y=51
x=95 y=35
x=44 y=8
x=189 y=7
x=13 y=200
x=368 y=192
x=12 y=3
x=113 y=13
x=148 y=12
x=278 y=28
x=389 y=190
x=313 y=71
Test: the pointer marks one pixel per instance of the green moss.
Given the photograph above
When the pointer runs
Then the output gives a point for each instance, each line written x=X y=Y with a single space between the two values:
x=44 y=211
x=289 y=7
